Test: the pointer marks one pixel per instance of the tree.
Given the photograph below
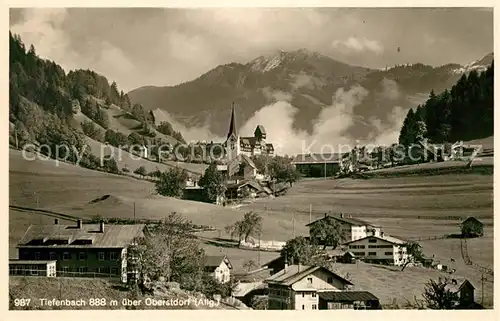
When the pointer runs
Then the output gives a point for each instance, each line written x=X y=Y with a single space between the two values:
x=437 y=296
x=110 y=166
x=169 y=250
x=250 y=225
x=172 y=182
x=282 y=170
x=249 y=265
x=327 y=232
x=213 y=183
x=91 y=130
x=141 y=171
x=301 y=251
x=414 y=251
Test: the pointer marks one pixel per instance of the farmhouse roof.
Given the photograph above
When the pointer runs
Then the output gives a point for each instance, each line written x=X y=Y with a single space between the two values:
x=347 y=296
x=343 y=219
x=248 y=160
x=387 y=238
x=279 y=259
x=269 y=146
x=295 y=273
x=457 y=284
x=317 y=158
x=472 y=220
x=213 y=261
x=113 y=236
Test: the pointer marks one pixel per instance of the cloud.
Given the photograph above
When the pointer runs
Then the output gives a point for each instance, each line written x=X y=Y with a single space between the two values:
x=387 y=133
x=390 y=89
x=46 y=29
x=359 y=45
x=328 y=132
x=276 y=95
x=302 y=80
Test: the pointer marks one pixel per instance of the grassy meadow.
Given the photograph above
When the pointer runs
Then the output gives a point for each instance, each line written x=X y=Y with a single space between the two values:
x=409 y=207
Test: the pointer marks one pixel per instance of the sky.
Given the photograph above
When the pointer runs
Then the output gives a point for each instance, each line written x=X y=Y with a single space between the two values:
x=163 y=47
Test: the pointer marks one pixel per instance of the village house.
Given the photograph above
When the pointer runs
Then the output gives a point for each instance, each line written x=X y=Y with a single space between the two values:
x=472 y=227
x=353 y=228
x=318 y=165
x=81 y=250
x=219 y=267
x=465 y=291
x=296 y=287
x=379 y=249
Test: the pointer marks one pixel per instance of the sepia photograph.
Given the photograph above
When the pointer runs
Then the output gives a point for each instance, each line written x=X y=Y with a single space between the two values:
x=292 y=158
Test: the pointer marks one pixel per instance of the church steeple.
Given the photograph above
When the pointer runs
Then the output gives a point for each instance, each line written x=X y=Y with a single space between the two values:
x=232 y=125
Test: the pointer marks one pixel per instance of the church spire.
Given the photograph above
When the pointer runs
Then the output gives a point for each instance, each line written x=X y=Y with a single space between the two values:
x=232 y=125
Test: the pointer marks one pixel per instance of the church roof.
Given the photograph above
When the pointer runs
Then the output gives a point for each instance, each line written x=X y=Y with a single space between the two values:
x=232 y=125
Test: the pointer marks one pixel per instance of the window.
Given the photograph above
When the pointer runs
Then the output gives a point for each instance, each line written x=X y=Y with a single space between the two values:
x=303 y=307
x=310 y=280
x=66 y=256
x=388 y=253
x=303 y=294
x=314 y=307
x=372 y=253
x=34 y=270
x=65 y=269
x=114 y=271
x=113 y=256
x=103 y=270
x=82 y=269
x=372 y=241
x=330 y=280
x=359 y=253
x=101 y=256
x=37 y=255
x=82 y=256
x=314 y=294
x=52 y=256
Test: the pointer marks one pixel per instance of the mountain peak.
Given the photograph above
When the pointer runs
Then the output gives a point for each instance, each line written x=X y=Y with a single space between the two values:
x=276 y=58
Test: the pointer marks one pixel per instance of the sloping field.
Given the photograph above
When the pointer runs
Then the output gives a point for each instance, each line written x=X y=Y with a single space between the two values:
x=390 y=283
x=71 y=189
x=132 y=162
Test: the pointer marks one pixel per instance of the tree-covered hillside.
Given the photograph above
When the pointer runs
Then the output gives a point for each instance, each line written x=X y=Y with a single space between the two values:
x=44 y=103
x=463 y=113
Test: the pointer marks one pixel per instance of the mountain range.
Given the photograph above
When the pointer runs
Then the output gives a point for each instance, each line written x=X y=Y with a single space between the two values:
x=315 y=88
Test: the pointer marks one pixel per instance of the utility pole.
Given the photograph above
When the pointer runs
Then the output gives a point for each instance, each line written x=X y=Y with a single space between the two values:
x=15 y=134
x=293 y=223
x=325 y=169
x=310 y=213
x=482 y=289
x=134 y=211
x=260 y=234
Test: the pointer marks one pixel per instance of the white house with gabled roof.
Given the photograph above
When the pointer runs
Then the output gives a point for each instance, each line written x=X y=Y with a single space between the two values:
x=379 y=248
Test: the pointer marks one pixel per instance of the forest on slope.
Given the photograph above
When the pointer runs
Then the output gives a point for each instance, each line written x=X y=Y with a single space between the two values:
x=465 y=112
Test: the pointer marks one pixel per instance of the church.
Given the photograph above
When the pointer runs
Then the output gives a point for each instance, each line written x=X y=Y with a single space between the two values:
x=249 y=146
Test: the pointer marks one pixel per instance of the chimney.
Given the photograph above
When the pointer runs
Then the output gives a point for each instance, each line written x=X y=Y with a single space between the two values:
x=56 y=221
x=101 y=226
x=382 y=233
x=79 y=224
